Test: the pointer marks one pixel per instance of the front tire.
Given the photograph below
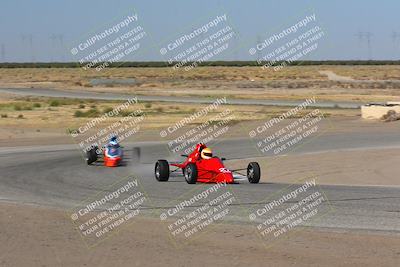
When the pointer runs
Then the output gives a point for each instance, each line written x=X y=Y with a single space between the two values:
x=161 y=170
x=91 y=155
x=191 y=173
x=253 y=172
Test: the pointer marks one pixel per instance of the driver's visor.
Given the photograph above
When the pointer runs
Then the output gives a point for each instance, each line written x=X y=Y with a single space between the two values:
x=208 y=155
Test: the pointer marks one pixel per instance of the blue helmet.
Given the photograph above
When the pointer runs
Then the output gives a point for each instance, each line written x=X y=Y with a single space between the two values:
x=113 y=140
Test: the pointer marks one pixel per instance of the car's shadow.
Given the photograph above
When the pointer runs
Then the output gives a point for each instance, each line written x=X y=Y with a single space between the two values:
x=100 y=163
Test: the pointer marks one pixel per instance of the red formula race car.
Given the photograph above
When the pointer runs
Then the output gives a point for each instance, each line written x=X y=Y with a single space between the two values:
x=201 y=166
x=112 y=155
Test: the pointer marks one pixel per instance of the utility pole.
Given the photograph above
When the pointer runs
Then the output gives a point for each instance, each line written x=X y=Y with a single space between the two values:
x=30 y=38
x=258 y=59
x=367 y=37
x=395 y=40
x=23 y=54
x=236 y=45
x=61 y=39
x=53 y=38
x=57 y=43
x=359 y=37
x=3 y=53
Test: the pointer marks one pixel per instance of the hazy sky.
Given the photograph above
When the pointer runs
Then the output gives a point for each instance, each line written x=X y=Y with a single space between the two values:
x=46 y=30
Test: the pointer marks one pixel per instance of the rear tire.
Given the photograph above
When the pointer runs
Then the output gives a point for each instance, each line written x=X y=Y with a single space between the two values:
x=253 y=172
x=91 y=155
x=161 y=170
x=191 y=173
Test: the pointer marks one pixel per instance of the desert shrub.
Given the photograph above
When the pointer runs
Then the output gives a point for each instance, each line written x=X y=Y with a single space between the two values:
x=73 y=130
x=4 y=115
x=107 y=109
x=19 y=107
x=37 y=105
x=79 y=114
x=20 y=116
x=54 y=103
x=88 y=114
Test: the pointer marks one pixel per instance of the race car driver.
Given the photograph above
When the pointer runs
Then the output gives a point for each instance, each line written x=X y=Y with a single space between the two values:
x=206 y=153
x=112 y=148
x=113 y=141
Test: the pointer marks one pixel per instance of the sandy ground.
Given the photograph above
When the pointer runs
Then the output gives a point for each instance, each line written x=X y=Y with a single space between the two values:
x=334 y=77
x=38 y=236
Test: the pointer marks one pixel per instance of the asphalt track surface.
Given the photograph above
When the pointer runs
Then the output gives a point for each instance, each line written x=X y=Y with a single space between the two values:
x=58 y=176
x=116 y=96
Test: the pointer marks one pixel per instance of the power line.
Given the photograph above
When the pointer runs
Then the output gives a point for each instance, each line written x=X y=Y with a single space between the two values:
x=395 y=36
x=3 y=53
x=53 y=39
x=258 y=50
x=61 y=39
x=29 y=37
x=396 y=41
x=57 y=43
x=366 y=36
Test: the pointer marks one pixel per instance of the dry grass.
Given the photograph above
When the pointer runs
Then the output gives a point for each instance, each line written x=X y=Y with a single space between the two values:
x=295 y=82
x=61 y=113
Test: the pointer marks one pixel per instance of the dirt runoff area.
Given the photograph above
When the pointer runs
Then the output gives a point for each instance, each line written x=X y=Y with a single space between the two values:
x=42 y=236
